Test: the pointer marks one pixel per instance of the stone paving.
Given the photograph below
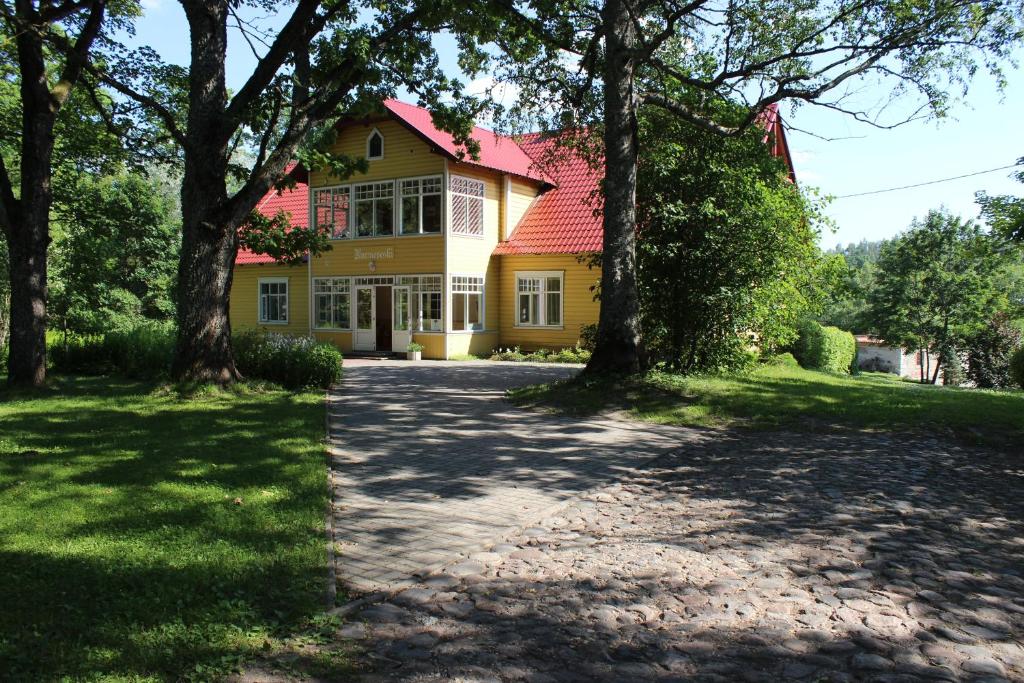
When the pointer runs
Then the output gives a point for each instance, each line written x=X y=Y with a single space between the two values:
x=429 y=462
x=759 y=557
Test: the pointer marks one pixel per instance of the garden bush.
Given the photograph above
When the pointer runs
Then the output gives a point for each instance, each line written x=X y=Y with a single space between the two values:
x=825 y=348
x=143 y=351
x=576 y=354
x=292 y=362
x=989 y=353
x=1017 y=367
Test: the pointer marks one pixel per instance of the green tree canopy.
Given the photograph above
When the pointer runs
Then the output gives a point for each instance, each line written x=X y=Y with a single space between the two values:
x=936 y=285
x=1005 y=213
x=116 y=252
x=727 y=249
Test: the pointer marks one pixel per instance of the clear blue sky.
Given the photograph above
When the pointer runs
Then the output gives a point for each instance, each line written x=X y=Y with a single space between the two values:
x=983 y=133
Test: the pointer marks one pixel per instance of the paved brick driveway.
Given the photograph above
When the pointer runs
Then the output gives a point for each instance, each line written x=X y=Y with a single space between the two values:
x=430 y=462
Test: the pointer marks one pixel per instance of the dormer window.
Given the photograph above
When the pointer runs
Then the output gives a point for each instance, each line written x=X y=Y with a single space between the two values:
x=375 y=145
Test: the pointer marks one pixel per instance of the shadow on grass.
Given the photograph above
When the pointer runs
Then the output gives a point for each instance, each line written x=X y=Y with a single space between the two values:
x=143 y=535
x=795 y=398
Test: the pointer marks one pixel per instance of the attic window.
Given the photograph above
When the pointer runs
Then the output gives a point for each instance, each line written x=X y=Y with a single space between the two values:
x=375 y=145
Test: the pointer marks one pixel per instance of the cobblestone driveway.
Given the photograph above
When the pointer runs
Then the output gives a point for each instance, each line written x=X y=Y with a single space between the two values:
x=761 y=557
x=430 y=463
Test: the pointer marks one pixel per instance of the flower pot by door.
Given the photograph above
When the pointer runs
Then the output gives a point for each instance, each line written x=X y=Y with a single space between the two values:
x=414 y=355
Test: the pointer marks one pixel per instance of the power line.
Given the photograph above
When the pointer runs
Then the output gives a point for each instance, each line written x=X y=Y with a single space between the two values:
x=929 y=182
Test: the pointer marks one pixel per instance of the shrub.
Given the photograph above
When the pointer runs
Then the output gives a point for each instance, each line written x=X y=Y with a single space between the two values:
x=292 y=362
x=783 y=360
x=143 y=351
x=588 y=338
x=1017 y=367
x=825 y=348
x=988 y=356
x=576 y=354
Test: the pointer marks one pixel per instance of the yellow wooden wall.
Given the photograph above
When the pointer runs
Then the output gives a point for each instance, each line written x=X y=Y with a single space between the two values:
x=579 y=307
x=244 y=310
x=405 y=154
x=468 y=255
x=521 y=197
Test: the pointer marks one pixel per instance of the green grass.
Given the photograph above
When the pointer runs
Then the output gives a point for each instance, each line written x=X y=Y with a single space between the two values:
x=782 y=396
x=146 y=536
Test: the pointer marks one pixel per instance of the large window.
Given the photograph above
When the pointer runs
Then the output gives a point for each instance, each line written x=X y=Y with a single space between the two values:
x=330 y=211
x=467 y=303
x=375 y=209
x=425 y=295
x=539 y=299
x=467 y=205
x=421 y=205
x=274 y=300
x=332 y=303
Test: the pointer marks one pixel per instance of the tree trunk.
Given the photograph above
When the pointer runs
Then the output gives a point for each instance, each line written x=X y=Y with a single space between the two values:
x=26 y=362
x=209 y=239
x=618 y=350
x=28 y=231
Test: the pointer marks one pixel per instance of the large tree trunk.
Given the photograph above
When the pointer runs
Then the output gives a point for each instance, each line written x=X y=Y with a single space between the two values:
x=26 y=362
x=617 y=350
x=209 y=238
x=28 y=232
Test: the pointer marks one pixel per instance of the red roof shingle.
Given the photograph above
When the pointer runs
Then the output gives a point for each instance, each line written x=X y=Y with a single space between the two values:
x=563 y=220
x=294 y=202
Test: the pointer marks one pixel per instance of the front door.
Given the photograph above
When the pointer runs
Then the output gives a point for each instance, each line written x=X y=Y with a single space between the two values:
x=382 y=318
x=366 y=331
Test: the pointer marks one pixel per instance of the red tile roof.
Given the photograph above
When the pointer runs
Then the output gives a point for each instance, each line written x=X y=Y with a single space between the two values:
x=294 y=202
x=497 y=152
x=563 y=220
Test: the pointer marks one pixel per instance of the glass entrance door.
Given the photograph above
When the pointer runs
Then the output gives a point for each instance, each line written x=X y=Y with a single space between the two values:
x=366 y=318
x=401 y=333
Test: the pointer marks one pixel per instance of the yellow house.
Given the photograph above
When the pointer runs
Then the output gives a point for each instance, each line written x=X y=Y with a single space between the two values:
x=460 y=255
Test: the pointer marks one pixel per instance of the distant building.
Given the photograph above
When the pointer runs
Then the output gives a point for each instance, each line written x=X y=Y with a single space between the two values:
x=875 y=355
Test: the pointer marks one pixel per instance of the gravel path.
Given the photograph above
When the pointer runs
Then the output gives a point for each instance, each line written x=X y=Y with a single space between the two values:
x=758 y=557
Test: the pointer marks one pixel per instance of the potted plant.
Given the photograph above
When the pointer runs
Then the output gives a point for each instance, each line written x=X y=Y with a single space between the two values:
x=414 y=351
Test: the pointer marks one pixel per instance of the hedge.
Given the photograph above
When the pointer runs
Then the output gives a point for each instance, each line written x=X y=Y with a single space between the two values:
x=146 y=352
x=825 y=348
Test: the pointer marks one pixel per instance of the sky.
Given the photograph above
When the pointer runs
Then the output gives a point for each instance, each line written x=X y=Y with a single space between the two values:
x=841 y=157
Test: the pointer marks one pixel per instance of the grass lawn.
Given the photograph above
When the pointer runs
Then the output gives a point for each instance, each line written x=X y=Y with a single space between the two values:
x=148 y=537
x=786 y=396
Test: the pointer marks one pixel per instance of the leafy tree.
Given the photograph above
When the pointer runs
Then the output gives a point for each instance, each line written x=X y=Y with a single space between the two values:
x=727 y=250
x=45 y=81
x=936 y=285
x=116 y=254
x=988 y=360
x=846 y=303
x=328 y=58
x=602 y=61
x=1005 y=213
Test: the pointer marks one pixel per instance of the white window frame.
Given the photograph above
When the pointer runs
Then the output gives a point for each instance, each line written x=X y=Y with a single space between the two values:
x=347 y=291
x=542 y=315
x=370 y=157
x=482 y=197
x=467 y=288
x=354 y=204
x=348 y=217
x=400 y=196
x=260 y=295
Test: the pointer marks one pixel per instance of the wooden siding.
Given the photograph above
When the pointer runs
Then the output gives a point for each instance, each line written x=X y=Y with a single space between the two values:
x=245 y=298
x=409 y=255
x=472 y=255
x=477 y=343
x=520 y=199
x=578 y=306
x=405 y=154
